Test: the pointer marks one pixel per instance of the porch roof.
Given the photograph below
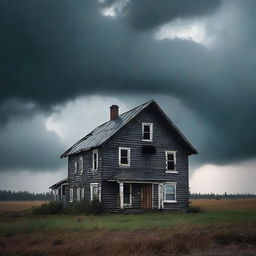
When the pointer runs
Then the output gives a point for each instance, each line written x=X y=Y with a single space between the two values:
x=59 y=183
x=136 y=175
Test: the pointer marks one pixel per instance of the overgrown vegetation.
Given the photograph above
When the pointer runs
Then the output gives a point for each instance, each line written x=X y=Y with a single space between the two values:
x=49 y=208
x=83 y=207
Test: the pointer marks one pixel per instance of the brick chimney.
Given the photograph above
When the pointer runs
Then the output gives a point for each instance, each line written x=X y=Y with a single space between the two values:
x=113 y=112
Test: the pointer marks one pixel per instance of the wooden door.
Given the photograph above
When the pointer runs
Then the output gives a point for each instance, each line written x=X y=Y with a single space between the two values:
x=146 y=196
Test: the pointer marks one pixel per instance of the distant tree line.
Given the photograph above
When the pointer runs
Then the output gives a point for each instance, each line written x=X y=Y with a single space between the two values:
x=8 y=195
x=220 y=196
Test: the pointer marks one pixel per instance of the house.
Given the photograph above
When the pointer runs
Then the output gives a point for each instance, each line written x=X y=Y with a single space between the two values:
x=136 y=161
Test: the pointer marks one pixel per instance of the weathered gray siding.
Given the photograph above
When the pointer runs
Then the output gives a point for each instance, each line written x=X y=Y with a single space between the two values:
x=163 y=139
x=89 y=176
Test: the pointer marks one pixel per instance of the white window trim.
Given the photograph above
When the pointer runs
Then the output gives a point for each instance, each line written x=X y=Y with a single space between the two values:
x=71 y=192
x=175 y=186
x=91 y=189
x=166 y=161
x=75 y=167
x=97 y=159
x=81 y=169
x=128 y=155
x=78 y=194
x=82 y=194
x=130 y=204
x=150 y=131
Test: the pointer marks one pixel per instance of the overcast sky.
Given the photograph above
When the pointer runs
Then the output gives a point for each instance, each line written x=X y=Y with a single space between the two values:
x=63 y=63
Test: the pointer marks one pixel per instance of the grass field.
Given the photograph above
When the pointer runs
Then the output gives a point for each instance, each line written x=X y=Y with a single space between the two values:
x=225 y=227
x=18 y=206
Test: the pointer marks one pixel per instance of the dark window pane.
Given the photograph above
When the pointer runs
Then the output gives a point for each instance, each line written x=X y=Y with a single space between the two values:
x=124 y=153
x=146 y=136
x=146 y=128
x=126 y=194
x=170 y=165
x=170 y=156
x=124 y=160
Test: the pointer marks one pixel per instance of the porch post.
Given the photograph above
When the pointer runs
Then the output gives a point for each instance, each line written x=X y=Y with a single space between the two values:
x=121 y=191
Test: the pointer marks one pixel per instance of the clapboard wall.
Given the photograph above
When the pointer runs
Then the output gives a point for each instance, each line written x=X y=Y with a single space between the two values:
x=164 y=139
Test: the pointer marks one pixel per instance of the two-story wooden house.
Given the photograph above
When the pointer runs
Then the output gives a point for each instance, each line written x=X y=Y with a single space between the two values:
x=137 y=160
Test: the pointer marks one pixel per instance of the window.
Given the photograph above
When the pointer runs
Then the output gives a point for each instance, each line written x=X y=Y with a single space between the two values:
x=75 y=167
x=170 y=157
x=95 y=159
x=95 y=191
x=78 y=194
x=124 y=156
x=170 y=192
x=82 y=193
x=71 y=195
x=127 y=194
x=147 y=132
x=81 y=165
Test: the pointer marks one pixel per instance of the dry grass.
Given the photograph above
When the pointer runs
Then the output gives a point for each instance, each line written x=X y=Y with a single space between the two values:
x=18 y=206
x=225 y=204
x=180 y=240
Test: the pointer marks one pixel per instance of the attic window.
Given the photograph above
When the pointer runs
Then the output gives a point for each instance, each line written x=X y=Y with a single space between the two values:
x=147 y=131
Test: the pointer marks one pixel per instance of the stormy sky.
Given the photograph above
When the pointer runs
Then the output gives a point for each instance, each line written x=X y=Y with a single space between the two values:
x=63 y=63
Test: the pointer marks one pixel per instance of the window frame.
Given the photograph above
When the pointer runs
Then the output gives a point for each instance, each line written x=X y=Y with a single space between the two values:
x=71 y=195
x=150 y=132
x=174 y=161
x=80 y=161
x=78 y=194
x=97 y=160
x=175 y=192
x=128 y=157
x=92 y=185
x=130 y=195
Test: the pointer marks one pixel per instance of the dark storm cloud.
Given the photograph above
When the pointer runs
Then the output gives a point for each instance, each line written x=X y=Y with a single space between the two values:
x=53 y=51
x=27 y=145
x=147 y=14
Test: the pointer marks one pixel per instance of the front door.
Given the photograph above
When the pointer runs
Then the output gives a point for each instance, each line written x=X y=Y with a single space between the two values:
x=146 y=196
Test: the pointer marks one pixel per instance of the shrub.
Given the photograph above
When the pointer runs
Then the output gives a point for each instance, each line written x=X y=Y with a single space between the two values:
x=84 y=207
x=48 y=208
x=194 y=209
x=96 y=207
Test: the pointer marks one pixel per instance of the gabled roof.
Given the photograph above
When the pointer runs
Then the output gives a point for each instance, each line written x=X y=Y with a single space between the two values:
x=105 y=131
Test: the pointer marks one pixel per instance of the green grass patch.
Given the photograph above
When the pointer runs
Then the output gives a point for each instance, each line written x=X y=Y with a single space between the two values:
x=114 y=222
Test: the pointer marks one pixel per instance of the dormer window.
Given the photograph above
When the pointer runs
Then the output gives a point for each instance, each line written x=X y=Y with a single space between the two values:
x=147 y=131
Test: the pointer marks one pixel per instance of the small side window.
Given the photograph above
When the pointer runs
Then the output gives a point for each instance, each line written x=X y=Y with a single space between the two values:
x=81 y=165
x=95 y=191
x=95 y=159
x=124 y=156
x=71 y=195
x=170 y=192
x=147 y=131
x=78 y=194
x=170 y=158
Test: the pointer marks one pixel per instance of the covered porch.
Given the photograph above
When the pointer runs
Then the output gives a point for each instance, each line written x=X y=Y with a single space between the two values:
x=140 y=191
x=59 y=191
